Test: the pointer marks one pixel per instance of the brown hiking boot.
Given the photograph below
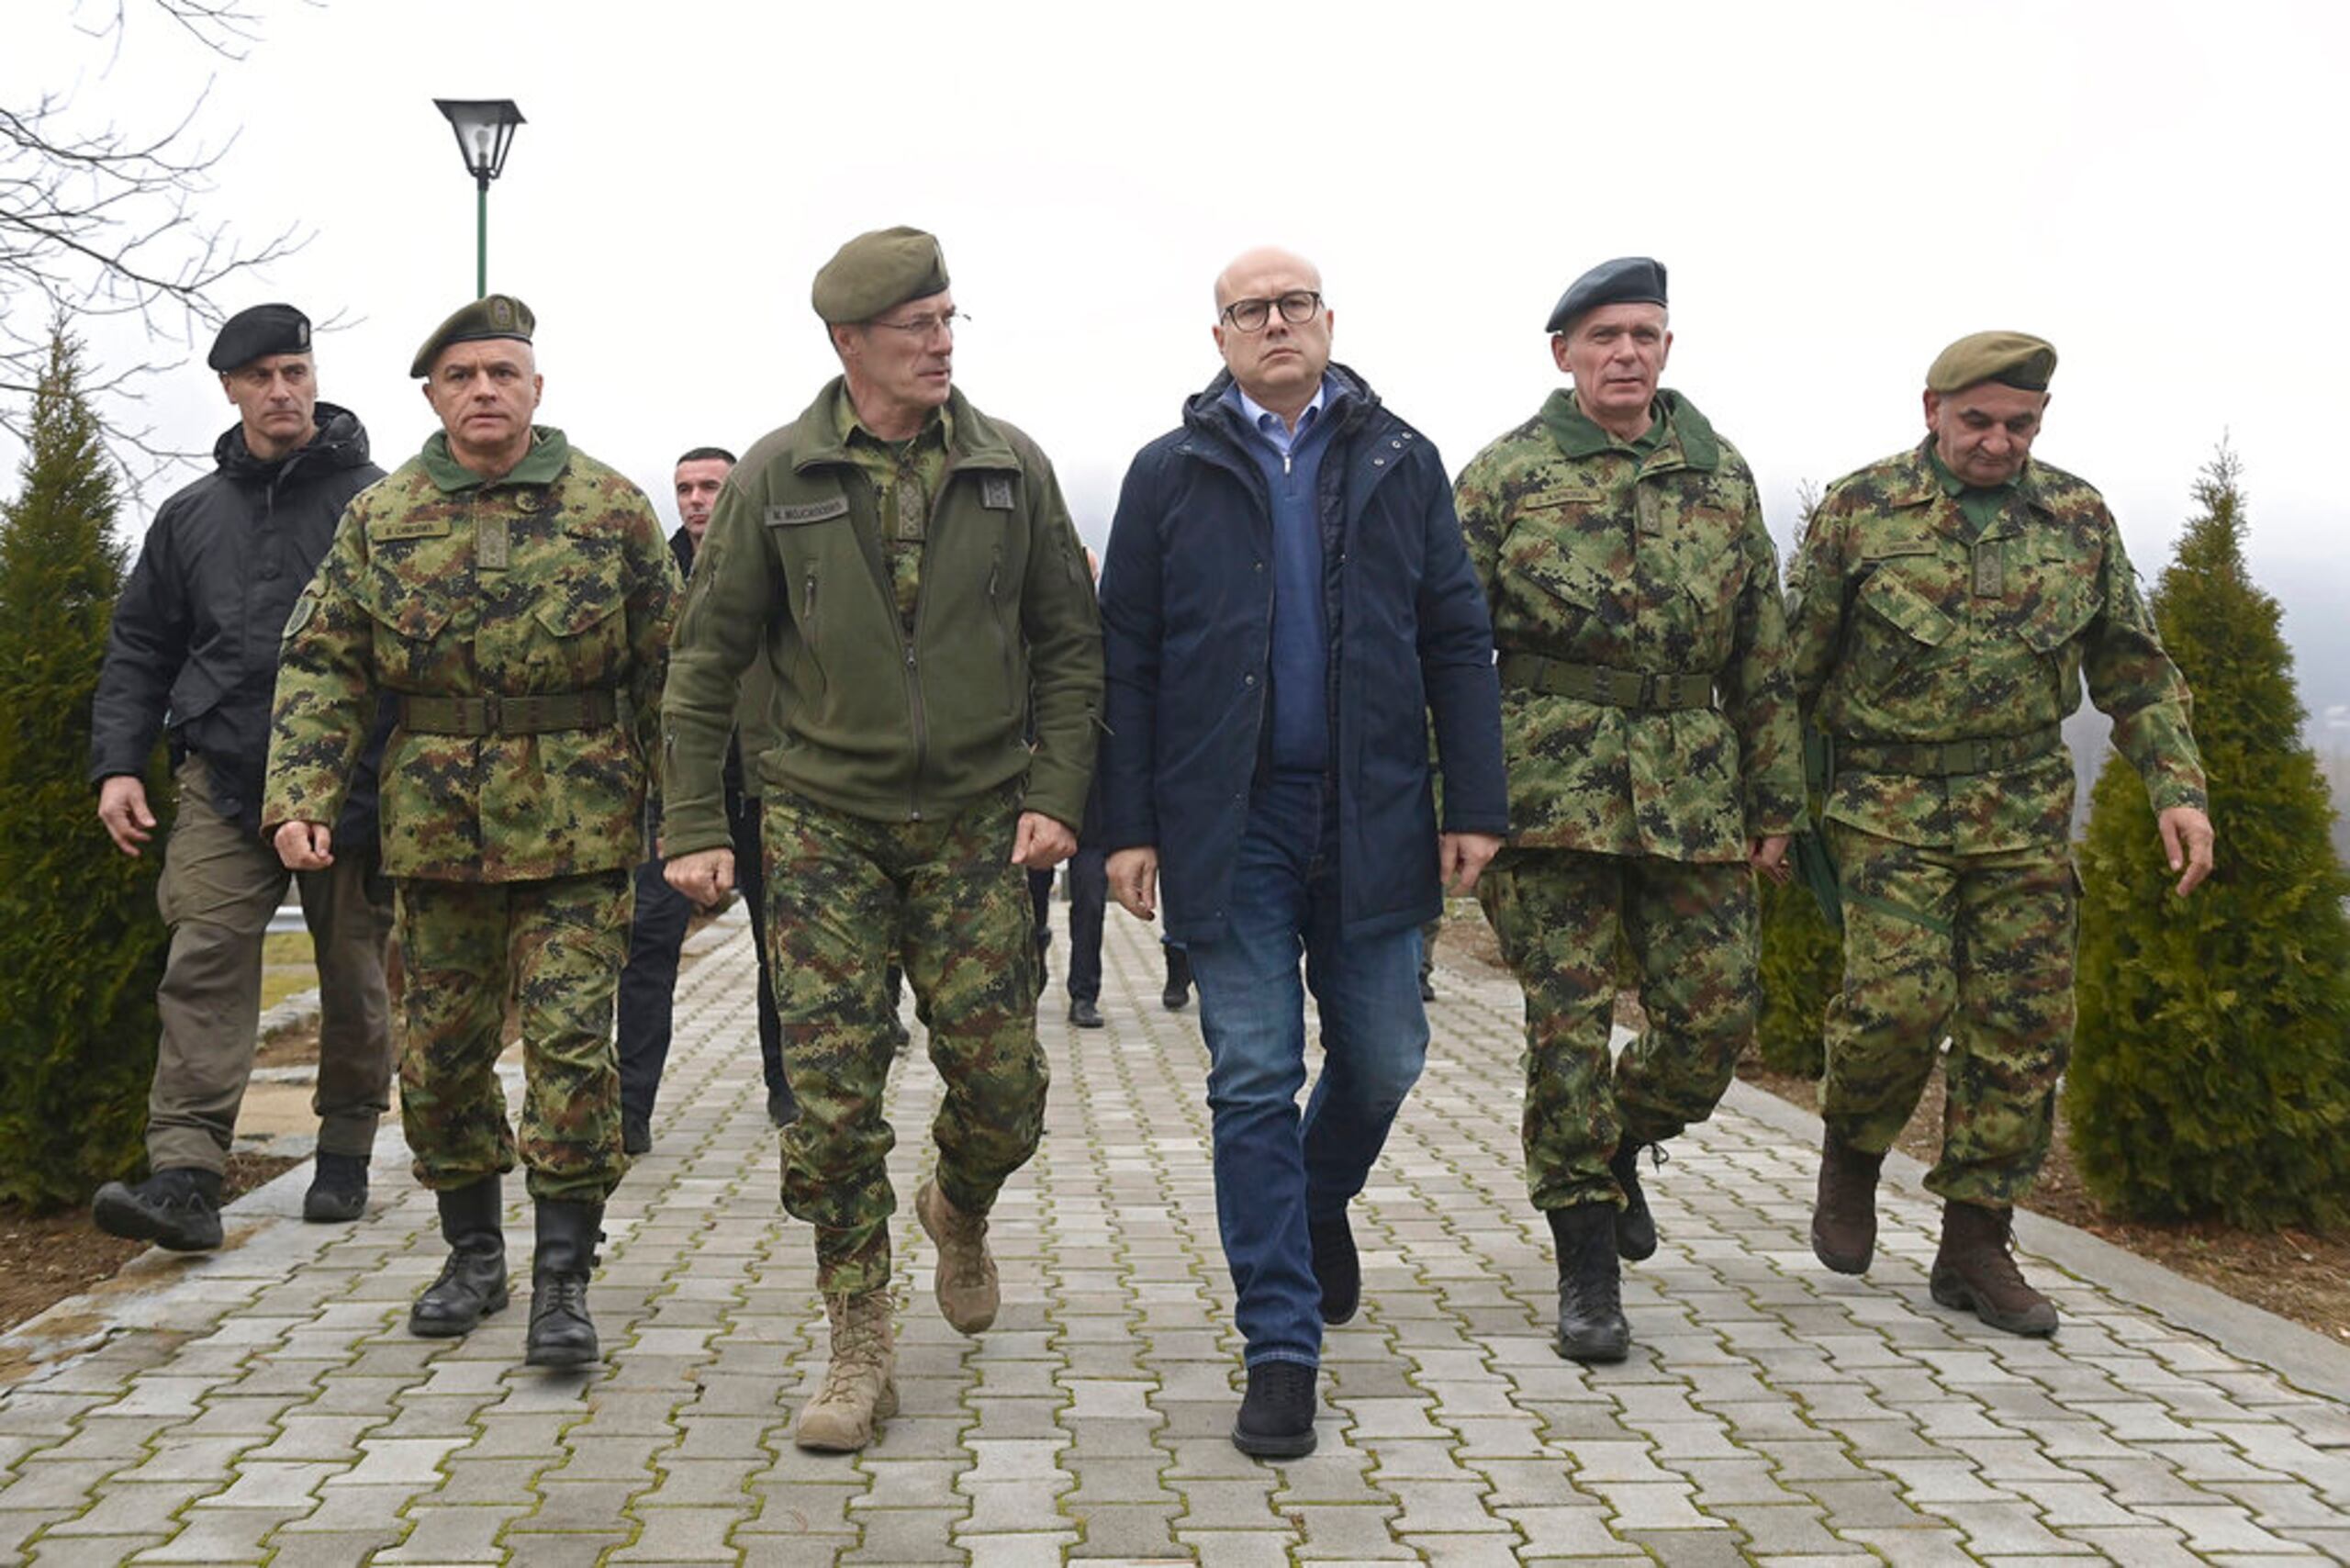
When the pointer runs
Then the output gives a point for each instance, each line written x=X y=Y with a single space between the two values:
x=1975 y=1273
x=966 y=1277
x=860 y=1389
x=1843 y=1219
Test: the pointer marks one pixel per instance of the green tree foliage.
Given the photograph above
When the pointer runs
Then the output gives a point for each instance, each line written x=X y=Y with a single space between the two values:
x=81 y=951
x=1802 y=955
x=1802 y=965
x=2211 y=1074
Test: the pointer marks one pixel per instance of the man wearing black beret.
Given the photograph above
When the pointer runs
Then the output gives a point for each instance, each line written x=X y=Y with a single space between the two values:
x=193 y=645
x=906 y=568
x=1649 y=720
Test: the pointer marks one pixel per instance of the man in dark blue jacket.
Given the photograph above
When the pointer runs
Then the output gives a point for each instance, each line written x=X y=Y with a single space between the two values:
x=1286 y=603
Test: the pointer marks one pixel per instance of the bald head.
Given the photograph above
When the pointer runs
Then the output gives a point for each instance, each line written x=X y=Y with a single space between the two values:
x=1272 y=329
x=1233 y=281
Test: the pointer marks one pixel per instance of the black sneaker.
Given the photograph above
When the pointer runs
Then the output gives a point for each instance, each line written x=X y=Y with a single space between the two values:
x=338 y=1192
x=1337 y=1267
x=177 y=1209
x=1178 y=991
x=1276 y=1418
x=636 y=1133
x=1085 y=1012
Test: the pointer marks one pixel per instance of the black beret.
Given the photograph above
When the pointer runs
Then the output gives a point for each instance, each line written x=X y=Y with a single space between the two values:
x=1627 y=280
x=493 y=316
x=258 y=330
x=876 y=270
x=2012 y=359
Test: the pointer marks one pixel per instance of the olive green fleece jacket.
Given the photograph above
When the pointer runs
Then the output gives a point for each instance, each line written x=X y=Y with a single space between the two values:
x=872 y=724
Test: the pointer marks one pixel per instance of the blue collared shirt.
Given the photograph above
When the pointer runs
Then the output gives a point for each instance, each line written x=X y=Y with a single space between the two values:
x=1292 y=463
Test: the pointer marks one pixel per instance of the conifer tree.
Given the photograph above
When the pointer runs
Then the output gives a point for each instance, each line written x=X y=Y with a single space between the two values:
x=80 y=948
x=2212 y=1071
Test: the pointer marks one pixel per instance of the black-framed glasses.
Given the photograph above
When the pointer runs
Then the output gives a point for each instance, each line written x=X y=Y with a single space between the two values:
x=927 y=327
x=1297 y=307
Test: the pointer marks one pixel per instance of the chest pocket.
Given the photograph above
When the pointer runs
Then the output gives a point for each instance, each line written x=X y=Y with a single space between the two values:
x=582 y=631
x=1897 y=625
x=410 y=606
x=2061 y=599
x=1546 y=583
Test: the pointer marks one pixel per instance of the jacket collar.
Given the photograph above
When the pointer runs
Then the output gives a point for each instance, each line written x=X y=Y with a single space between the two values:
x=543 y=464
x=814 y=438
x=1687 y=431
x=338 y=442
x=1350 y=401
x=1914 y=483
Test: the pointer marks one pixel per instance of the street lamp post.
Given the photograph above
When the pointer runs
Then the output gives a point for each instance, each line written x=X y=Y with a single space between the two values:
x=485 y=128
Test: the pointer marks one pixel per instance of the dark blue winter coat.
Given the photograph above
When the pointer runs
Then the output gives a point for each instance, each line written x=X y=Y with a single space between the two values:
x=1187 y=600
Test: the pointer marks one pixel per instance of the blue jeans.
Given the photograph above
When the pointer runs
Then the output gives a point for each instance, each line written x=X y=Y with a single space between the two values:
x=1272 y=1169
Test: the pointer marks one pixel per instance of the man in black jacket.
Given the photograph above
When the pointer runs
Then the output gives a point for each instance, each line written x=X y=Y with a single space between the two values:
x=1286 y=606
x=193 y=645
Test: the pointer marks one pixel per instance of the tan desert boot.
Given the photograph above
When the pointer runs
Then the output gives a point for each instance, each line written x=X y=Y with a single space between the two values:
x=965 y=1278
x=860 y=1389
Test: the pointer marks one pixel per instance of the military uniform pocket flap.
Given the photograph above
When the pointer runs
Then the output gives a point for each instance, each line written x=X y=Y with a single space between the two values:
x=1567 y=580
x=805 y=512
x=413 y=615
x=579 y=603
x=1901 y=606
x=1715 y=585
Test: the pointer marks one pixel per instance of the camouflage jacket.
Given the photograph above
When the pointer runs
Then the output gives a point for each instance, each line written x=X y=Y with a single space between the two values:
x=553 y=579
x=872 y=722
x=1906 y=628
x=1591 y=554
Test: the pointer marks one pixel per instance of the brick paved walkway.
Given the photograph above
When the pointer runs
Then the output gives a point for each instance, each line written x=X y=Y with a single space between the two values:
x=266 y=1404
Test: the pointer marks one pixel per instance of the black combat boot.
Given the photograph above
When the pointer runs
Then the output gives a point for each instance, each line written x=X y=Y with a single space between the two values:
x=1591 y=1297
x=1974 y=1271
x=1178 y=991
x=1843 y=1217
x=178 y=1209
x=562 y=1334
x=338 y=1192
x=472 y=1282
x=1635 y=1226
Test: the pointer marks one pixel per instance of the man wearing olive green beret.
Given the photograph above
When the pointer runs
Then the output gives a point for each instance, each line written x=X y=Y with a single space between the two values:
x=514 y=596
x=1944 y=607
x=905 y=566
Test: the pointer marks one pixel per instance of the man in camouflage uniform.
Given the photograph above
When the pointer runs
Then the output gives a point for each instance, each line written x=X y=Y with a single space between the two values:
x=514 y=595
x=905 y=566
x=1649 y=721
x=1943 y=609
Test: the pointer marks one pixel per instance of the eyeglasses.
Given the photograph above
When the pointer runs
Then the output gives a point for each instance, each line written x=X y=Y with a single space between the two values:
x=1297 y=307
x=927 y=327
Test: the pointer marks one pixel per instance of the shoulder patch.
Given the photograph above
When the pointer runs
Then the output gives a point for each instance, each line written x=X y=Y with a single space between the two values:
x=807 y=511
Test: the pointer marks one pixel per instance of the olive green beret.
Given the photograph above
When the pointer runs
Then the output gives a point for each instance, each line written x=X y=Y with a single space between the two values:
x=496 y=316
x=876 y=270
x=257 y=332
x=2011 y=359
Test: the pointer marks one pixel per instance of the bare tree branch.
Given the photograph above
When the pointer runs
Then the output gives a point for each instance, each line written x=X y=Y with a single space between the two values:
x=97 y=222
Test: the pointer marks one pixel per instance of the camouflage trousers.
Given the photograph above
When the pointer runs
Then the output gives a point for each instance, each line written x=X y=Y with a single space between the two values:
x=1976 y=947
x=557 y=946
x=1560 y=915
x=843 y=891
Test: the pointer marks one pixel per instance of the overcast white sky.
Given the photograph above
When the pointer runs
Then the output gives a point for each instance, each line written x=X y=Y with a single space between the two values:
x=1838 y=189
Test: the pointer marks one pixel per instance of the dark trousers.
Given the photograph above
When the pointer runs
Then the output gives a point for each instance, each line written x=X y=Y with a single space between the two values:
x=648 y=987
x=751 y=877
x=1088 y=893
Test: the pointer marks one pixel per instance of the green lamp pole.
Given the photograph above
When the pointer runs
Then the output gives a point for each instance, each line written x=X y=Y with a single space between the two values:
x=485 y=128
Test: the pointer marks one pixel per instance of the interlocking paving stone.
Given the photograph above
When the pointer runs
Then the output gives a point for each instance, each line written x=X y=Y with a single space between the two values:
x=268 y=1404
